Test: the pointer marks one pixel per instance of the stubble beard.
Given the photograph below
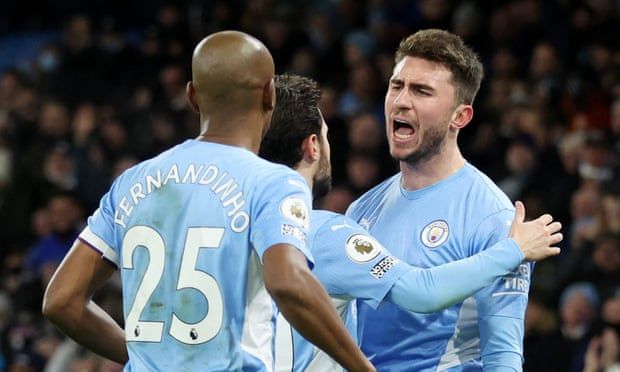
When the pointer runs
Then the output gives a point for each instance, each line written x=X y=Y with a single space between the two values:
x=431 y=145
x=322 y=181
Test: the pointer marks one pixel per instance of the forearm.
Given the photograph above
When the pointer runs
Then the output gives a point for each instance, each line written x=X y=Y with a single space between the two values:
x=93 y=328
x=309 y=310
x=430 y=290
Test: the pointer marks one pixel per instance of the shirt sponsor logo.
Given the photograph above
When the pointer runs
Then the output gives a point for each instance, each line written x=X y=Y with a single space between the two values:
x=295 y=209
x=516 y=283
x=382 y=267
x=435 y=233
x=362 y=248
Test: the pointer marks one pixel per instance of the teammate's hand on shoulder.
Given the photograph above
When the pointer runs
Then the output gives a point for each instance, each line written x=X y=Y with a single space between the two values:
x=537 y=238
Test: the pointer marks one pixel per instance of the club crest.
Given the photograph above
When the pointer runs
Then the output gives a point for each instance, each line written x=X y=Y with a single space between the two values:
x=435 y=233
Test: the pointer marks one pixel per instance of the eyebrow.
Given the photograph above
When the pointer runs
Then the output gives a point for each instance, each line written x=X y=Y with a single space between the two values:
x=399 y=81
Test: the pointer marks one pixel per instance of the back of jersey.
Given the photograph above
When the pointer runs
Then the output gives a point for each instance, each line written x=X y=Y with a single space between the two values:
x=188 y=229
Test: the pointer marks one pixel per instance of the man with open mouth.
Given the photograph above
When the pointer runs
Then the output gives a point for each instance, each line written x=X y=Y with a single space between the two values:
x=439 y=208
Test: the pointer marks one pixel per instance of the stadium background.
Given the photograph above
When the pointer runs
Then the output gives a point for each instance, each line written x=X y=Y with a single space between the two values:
x=89 y=88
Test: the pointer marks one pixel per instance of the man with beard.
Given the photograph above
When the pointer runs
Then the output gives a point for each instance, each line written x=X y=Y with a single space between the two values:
x=438 y=209
x=203 y=234
x=349 y=262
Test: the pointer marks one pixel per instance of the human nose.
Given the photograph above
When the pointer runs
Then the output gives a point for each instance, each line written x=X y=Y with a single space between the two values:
x=402 y=99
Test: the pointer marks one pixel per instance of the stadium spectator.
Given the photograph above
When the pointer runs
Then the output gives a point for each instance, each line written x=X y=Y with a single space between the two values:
x=108 y=57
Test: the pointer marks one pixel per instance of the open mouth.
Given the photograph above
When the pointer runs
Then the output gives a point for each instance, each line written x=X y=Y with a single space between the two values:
x=402 y=129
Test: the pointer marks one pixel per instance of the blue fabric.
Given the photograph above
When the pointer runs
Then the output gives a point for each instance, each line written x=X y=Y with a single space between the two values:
x=188 y=230
x=453 y=219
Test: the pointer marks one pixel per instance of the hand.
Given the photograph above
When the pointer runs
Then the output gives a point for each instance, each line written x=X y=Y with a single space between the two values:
x=537 y=238
x=592 y=362
x=610 y=348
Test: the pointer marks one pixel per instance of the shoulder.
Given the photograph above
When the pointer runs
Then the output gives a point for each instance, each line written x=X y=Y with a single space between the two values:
x=484 y=193
x=135 y=171
x=487 y=211
x=333 y=223
x=379 y=190
x=376 y=194
x=335 y=234
x=321 y=217
x=271 y=175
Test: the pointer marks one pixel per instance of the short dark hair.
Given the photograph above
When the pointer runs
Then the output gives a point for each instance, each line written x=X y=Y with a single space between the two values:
x=449 y=50
x=295 y=117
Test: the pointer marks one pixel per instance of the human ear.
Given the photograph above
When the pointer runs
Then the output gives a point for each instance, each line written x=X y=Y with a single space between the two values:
x=190 y=93
x=269 y=95
x=462 y=116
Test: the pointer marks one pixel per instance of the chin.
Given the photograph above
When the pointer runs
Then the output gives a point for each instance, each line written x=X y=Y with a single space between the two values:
x=401 y=154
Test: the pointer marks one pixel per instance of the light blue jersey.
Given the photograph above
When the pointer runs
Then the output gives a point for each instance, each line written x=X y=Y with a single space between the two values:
x=350 y=264
x=188 y=230
x=353 y=265
x=453 y=219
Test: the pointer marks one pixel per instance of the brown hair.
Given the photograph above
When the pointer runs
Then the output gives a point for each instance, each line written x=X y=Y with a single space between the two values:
x=449 y=50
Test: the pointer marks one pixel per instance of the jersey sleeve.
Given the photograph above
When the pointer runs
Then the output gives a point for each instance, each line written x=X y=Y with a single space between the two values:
x=502 y=349
x=353 y=264
x=99 y=232
x=281 y=214
x=432 y=289
x=501 y=306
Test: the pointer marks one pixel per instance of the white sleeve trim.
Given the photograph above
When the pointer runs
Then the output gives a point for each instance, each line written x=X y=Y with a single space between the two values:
x=99 y=244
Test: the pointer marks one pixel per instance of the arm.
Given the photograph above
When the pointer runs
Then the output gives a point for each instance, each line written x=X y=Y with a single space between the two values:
x=67 y=303
x=503 y=348
x=501 y=306
x=430 y=290
x=306 y=305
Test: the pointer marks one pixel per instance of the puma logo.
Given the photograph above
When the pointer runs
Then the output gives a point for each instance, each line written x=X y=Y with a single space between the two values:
x=338 y=227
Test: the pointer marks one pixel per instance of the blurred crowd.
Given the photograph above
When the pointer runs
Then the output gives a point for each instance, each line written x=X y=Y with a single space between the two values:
x=109 y=91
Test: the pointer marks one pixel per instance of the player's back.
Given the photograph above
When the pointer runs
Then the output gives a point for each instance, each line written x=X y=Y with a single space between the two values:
x=189 y=250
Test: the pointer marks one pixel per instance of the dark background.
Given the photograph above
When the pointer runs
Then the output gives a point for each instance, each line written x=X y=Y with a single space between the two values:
x=87 y=89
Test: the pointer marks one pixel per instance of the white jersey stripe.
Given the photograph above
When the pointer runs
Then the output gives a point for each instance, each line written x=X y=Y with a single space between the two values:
x=508 y=293
x=284 y=345
x=96 y=242
x=258 y=332
x=464 y=345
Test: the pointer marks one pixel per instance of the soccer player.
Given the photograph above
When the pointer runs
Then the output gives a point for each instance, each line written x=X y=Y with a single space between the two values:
x=438 y=209
x=352 y=264
x=202 y=234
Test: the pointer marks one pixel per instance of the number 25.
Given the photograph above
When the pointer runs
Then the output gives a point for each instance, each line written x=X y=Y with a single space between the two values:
x=150 y=331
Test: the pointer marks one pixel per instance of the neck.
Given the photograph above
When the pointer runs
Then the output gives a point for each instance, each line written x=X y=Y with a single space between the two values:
x=430 y=171
x=234 y=130
x=306 y=172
